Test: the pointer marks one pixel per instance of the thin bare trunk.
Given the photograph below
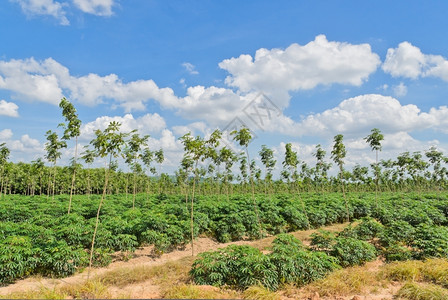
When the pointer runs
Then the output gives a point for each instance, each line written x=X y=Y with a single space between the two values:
x=106 y=181
x=192 y=210
x=73 y=178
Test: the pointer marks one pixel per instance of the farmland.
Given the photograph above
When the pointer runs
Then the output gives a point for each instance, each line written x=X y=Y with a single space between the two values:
x=58 y=221
x=39 y=238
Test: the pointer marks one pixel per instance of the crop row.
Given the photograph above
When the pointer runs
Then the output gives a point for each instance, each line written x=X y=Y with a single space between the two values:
x=38 y=237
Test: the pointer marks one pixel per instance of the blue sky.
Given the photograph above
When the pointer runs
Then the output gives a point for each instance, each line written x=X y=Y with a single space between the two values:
x=169 y=67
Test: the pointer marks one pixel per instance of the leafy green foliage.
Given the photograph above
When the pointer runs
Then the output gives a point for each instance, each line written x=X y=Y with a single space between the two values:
x=430 y=241
x=352 y=252
x=243 y=266
x=235 y=266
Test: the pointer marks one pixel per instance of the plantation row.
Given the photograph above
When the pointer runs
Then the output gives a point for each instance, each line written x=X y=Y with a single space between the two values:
x=38 y=237
x=207 y=165
x=37 y=179
x=291 y=262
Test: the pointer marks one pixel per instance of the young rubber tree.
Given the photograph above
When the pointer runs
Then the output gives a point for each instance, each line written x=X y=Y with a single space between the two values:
x=320 y=176
x=290 y=164
x=38 y=168
x=244 y=137
x=374 y=140
x=107 y=143
x=159 y=157
x=4 y=155
x=186 y=164
x=338 y=154
x=135 y=145
x=71 y=130
x=147 y=158
x=89 y=157
x=228 y=158
x=195 y=148
x=267 y=158
x=435 y=158
x=53 y=148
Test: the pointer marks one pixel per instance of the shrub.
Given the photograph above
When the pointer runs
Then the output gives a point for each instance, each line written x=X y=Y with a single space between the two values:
x=295 y=219
x=322 y=240
x=17 y=258
x=351 y=252
x=431 y=241
x=368 y=229
x=397 y=252
x=235 y=266
x=397 y=231
x=61 y=260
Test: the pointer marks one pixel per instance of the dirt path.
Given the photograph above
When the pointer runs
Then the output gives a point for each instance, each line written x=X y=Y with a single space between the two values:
x=147 y=289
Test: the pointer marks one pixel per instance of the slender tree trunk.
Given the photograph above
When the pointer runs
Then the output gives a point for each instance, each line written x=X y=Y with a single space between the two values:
x=54 y=180
x=343 y=194
x=133 y=192
x=88 y=183
x=253 y=193
x=303 y=204
x=1 y=185
x=192 y=210
x=103 y=196
x=74 y=176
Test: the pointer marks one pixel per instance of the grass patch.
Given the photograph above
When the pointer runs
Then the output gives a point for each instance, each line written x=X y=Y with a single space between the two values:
x=436 y=270
x=188 y=291
x=415 y=291
x=403 y=271
x=42 y=293
x=353 y=280
x=92 y=289
x=259 y=292
x=173 y=272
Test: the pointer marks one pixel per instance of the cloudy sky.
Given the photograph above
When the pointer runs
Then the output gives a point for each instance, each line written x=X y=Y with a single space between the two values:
x=291 y=71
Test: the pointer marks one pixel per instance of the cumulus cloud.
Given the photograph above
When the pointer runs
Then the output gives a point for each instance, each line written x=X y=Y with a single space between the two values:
x=190 y=68
x=320 y=62
x=5 y=134
x=146 y=124
x=48 y=81
x=195 y=128
x=44 y=7
x=9 y=109
x=360 y=114
x=95 y=7
x=408 y=61
x=400 y=90
x=24 y=146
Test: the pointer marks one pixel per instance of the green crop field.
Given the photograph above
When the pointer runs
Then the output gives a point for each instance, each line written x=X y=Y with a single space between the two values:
x=38 y=237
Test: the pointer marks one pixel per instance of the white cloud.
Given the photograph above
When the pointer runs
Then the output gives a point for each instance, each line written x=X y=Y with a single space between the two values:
x=95 y=7
x=9 y=109
x=360 y=114
x=25 y=145
x=48 y=81
x=216 y=106
x=190 y=68
x=408 y=61
x=5 y=134
x=147 y=124
x=195 y=128
x=278 y=71
x=400 y=90
x=44 y=7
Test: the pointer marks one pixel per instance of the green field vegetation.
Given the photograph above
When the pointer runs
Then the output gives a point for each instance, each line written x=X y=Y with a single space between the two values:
x=58 y=220
x=38 y=237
